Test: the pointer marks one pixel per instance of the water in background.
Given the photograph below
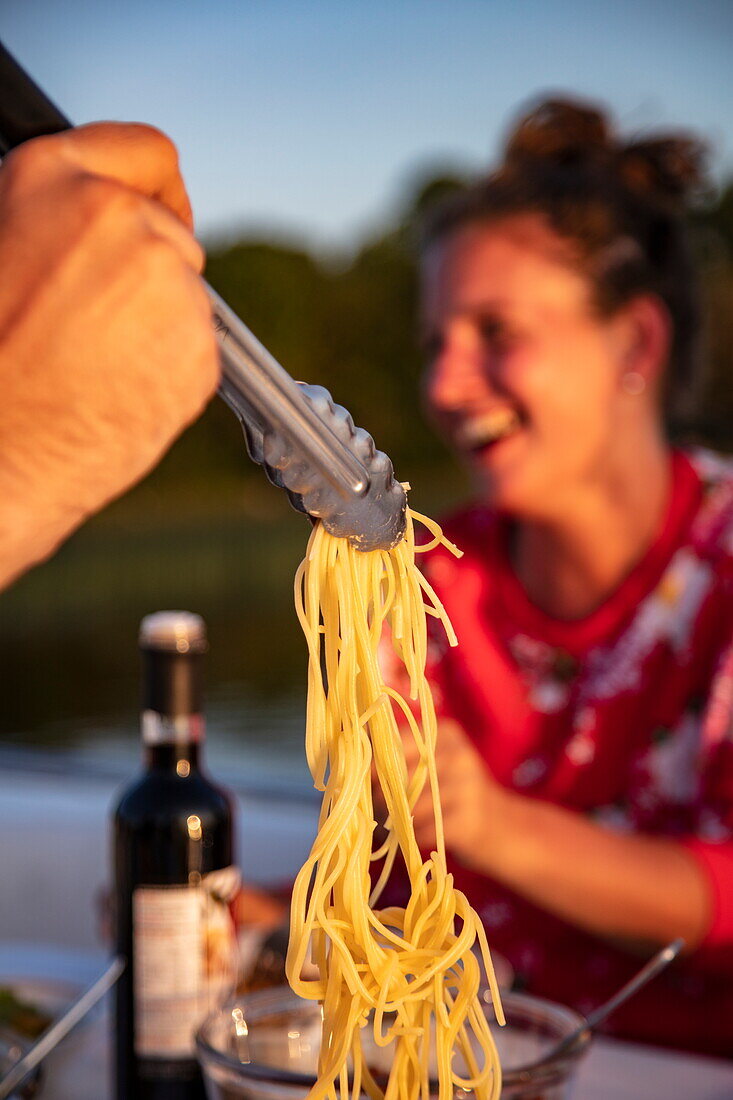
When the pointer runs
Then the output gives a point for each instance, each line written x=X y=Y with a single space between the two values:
x=68 y=654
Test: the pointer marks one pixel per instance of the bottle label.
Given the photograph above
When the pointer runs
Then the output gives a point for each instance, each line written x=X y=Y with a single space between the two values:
x=185 y=960
x=162 y=729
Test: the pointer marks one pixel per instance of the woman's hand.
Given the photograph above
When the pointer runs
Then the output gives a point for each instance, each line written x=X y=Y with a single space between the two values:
x=106 y=344
x=630 y=887
x=471 y=799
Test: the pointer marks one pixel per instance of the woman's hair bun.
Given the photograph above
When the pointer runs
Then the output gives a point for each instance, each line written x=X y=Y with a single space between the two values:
x=574 y=135
x=559 y=131
x=668 y=169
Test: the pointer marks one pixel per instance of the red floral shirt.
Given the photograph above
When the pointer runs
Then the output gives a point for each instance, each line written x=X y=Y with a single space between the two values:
x=625 y=716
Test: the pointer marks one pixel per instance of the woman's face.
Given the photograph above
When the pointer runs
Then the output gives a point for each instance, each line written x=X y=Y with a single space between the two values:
x=523 y=377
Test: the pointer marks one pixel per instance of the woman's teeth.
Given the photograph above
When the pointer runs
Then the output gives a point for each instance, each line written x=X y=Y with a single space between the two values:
x=488 y=428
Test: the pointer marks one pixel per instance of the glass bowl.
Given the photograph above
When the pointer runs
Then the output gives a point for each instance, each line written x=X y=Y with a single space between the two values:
x=264 y=1046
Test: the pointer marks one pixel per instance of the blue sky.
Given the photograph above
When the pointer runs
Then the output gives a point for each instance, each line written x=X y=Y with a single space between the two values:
x=311 y=116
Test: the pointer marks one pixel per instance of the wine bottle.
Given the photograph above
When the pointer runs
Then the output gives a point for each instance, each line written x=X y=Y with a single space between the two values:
x=174 y=876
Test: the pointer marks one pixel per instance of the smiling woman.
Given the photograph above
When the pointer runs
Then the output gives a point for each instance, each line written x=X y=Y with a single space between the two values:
x=509 y=303
x=584 y=754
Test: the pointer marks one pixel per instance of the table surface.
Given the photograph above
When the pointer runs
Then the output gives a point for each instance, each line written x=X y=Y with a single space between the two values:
x=79 y=1069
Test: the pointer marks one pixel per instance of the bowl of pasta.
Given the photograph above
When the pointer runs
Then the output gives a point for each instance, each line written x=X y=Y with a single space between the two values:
x=265 y=1046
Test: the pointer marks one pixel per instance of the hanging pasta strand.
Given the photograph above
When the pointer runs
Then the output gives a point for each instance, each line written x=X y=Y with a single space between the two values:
x=411 y=975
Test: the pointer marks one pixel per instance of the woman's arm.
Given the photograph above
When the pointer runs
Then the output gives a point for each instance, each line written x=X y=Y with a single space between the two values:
x=636 y=887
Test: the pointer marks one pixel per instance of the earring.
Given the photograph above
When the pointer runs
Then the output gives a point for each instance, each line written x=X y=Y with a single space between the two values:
x=633 y=383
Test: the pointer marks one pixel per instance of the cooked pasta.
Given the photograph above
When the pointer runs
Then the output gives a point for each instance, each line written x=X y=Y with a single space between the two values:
x=411 y=975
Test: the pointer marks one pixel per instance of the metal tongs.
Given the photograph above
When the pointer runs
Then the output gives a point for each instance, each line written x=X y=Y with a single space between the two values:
x=305 y=443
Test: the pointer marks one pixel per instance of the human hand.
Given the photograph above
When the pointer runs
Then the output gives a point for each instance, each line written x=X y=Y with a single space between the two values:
x=106 y=345
x=472 y=801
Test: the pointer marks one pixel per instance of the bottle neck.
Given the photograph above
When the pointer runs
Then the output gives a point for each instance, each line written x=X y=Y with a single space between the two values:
x=172 y=723
x=172 y=743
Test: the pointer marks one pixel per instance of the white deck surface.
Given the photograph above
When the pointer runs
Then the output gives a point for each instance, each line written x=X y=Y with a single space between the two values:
x=54 y=860
x=54 y=856
x=80 y=1070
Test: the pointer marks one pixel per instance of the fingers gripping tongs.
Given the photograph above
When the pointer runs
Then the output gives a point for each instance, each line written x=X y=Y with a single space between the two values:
x=305 y=443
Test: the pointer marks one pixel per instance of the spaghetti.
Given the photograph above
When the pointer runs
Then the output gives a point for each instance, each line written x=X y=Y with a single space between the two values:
x=409 y=974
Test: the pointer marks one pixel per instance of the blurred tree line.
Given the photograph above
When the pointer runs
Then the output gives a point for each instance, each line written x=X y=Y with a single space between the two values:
x=711 y=410
x=351 y=326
